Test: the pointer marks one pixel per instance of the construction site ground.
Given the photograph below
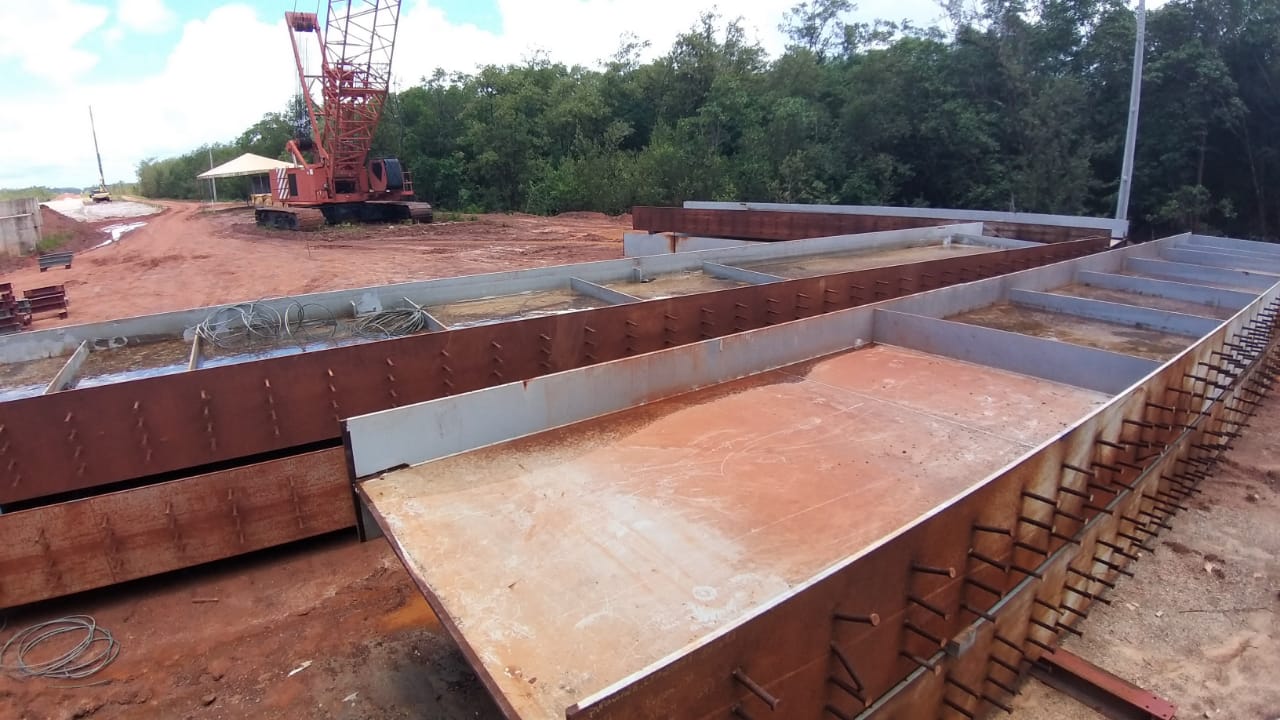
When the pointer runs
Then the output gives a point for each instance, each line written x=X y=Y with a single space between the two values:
x=333 y=628
x=188 y=256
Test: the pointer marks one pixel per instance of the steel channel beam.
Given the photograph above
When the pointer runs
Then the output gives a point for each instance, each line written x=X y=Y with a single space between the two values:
x=1112 y=696
x=433 y=323
x=990 y=240
x=67 y=374
x=94 y=542
x=1199 y=294
x=197 y=350
x=1265 y=248
x=1085 y=367
x=1114 y=312
x=777 y=225
x=1193 y=246
x=1201 y=274
x=789 y=647
x=1223 y=259
x=728 y=272
x=89 y=437
x=1115 y=228
x=600 y=292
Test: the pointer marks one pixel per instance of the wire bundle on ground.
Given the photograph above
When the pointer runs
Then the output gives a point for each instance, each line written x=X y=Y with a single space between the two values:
x=94 y=651
x=258 y=323
x=395 y=323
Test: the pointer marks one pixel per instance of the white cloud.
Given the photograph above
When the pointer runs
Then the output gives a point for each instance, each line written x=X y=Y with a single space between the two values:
x=147 y=16
x=42 y=37
x=233 y=65
x=225 y=72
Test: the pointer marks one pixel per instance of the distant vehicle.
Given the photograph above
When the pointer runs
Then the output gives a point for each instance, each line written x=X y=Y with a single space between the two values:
x=101 y=194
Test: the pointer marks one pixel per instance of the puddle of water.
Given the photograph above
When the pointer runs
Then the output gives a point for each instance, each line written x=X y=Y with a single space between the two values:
x=232 y=357
x=24 y=391
x=116 y=232
x=124 y=375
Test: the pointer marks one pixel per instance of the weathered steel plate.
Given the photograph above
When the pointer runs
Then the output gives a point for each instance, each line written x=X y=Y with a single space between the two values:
x=99 y=541
x=595 y=550
x=85 y=438
x=781 y=225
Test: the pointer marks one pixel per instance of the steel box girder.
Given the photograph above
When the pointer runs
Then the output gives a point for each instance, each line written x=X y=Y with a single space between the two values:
x=93 y=542
x=81 y=439
x=787 y=648
x=773 y=225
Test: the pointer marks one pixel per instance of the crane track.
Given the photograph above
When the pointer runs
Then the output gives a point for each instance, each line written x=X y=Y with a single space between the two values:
x=285 y=218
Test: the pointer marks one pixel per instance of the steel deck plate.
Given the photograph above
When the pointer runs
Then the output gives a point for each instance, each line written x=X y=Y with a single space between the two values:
x=567 y=560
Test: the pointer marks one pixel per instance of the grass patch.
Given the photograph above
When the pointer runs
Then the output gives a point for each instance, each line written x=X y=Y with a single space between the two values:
x=454 y=216
x=52 y=242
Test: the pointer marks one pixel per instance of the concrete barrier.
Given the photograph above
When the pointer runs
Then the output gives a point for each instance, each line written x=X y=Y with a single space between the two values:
x=20 y=226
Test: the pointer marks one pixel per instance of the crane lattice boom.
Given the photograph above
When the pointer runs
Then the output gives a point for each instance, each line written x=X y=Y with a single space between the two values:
x=344 y=98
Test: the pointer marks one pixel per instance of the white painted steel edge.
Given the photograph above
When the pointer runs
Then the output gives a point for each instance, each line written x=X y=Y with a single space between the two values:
x=1191 y=272
x=972 y=295
x=640 y=243
x=436 y=422
x=1113 y=312
x=1101 y=370
x=728 y=272
x=434 y=429
x=69 y=369
x=54 y=342
x=1191 y=244
x=1236 y=244
x=1117 y=228
x=1171 y=289
x=600 y=292
x=993 y=241
x=1222 y=259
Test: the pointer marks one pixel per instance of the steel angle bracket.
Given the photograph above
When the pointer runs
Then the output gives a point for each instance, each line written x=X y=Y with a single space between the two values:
x=1109 y=694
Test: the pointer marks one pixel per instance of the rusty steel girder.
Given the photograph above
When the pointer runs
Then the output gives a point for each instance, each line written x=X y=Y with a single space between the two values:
x=93 y=542
x=80 y=440
x=782 y=225
x=944 y=619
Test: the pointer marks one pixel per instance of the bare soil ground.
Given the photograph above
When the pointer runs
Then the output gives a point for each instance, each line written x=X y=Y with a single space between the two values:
x=220 y=641
x=186 y=257
x=1197 y=625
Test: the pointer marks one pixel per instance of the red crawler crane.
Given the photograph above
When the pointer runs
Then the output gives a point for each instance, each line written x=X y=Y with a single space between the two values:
x=342 y=183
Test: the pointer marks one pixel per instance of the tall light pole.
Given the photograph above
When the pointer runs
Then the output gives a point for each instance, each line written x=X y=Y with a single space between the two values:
x=1131 y=136
x=213 y=182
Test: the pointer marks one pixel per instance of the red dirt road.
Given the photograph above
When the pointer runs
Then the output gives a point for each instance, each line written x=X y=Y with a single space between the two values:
x=185 y=257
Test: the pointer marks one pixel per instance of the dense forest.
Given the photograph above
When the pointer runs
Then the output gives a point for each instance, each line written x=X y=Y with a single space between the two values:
x=1021 y=105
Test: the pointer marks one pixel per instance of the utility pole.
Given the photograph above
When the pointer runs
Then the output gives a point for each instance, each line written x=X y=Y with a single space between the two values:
x=102 y=179
x=213 y=182
x=1131 y=136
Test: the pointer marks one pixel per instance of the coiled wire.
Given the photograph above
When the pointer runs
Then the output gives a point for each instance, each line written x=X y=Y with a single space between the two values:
x=257 y=323
x=394 y=323
x=95 y=650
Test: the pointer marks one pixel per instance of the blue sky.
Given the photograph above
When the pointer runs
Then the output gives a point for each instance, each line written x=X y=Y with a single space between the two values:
x=167 y=76
x=146 y=47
